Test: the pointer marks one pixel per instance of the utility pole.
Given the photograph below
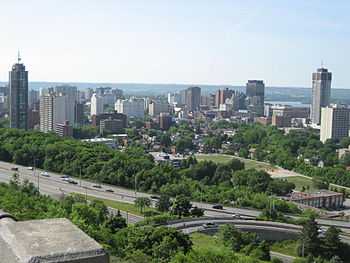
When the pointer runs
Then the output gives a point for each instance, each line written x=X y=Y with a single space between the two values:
x=135 y=186
x=80 y=177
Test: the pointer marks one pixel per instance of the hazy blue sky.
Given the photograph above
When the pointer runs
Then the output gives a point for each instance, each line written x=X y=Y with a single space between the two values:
x=177 y=41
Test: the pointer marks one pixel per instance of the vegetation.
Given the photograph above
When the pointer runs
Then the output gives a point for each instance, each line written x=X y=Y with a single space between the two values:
x=205 y=180
x=299 y=150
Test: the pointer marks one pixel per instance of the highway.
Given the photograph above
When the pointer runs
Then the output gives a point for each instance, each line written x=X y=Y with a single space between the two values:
x=54 y=186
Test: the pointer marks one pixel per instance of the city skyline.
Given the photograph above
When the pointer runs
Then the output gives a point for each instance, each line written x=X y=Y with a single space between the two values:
x=162 y=42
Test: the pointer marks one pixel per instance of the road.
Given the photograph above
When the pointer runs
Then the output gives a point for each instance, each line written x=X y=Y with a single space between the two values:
x=54 y=186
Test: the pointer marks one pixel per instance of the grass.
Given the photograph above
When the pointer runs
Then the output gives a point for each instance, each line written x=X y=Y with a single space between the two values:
x=203 y=241
x=301 y=182
x=127 y=207
x=288 y=247
x=224 y=158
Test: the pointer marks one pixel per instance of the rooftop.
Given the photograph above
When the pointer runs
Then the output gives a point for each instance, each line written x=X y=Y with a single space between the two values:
x=51 y=240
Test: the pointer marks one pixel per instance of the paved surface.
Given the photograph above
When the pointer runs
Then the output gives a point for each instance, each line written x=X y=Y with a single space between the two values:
x=49 y=240
x=56 y=187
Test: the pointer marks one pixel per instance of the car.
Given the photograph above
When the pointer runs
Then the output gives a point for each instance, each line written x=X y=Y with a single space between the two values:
x=97 y=186
x=154 y=197
x=46 y=174
x=236 y=216
x=14 y=169
x=64 y=176
x=218 y=206
x=209 y=225
x=65 y=179
x=30 y=168
x=109 y=190
x=72 y=181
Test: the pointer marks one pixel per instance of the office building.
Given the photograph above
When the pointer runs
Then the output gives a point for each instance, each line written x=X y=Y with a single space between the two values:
x=18 y=84
x=70 y=94
x=221 y=96
x=321 y=93
x=193 y=98
x=33 y=98
x=33 y=118
x=165 y=121
x=334 y=123
x=111 y=126
x=156 y=107
x=96 y=119
x=79 y=111
x=96 y=105
x=255 y=92
x=64 y=129
x=132 y=107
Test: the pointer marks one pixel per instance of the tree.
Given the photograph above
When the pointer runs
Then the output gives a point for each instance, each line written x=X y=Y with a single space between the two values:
x=309 y=240
x=331 y=242
x=142 y=202
x=114 y=223
x=181 y=206
x=197 y=212
x=163 y=203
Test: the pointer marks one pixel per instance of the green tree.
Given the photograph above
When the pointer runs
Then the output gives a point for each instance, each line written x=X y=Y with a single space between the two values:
x=181 y=206
x=331 y=243
x=142 y=202
x=309 y=240
x=164 y=203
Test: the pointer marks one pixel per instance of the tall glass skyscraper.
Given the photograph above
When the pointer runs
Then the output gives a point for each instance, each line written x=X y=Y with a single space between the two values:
x=321 y=93
x=18 y=84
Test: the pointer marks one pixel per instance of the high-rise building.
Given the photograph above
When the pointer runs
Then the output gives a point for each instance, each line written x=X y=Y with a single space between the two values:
x=71 y=98
x=96 y=105
x=18 y=84
x=33 y=98
x=334 y=123
x=132 y=107
x=64 y=129
x=193 y=98
x=96 y=119
x=165 y=121
x=321 y=93
x=109 y=126
x=255 y=91
x=79 y=113
x=221 y=96
x=156 y=107
x=46 y=112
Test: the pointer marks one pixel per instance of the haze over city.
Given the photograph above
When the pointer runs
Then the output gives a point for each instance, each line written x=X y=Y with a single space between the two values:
x=204 y=42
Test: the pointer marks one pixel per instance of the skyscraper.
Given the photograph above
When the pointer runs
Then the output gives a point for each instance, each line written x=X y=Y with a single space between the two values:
x=221 y=96
x=255 y=91
x=96 y=104
x=321 y=93
x=193 y=98
x=18 y=83
x=334 y=123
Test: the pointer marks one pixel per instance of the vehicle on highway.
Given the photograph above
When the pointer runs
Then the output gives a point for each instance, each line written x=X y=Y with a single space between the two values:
x=30 y=168
x=109 y=190
x=218 y=206
x=14 y=168
x=97 y=186
x=154 y=197
x=72 y=181
x=46 y=174
x=209 y=225
x=64 y=177
x=236 y=216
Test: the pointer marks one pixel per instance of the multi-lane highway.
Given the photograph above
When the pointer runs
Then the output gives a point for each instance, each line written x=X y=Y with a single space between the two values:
x=56 y=187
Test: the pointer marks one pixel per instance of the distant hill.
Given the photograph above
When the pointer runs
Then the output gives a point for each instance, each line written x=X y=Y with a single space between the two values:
x=272 y=93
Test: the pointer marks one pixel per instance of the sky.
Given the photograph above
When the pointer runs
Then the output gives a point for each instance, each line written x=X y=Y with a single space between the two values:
x=176 y=41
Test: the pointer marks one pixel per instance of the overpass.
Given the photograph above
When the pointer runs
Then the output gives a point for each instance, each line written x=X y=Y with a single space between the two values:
x=266 y=230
